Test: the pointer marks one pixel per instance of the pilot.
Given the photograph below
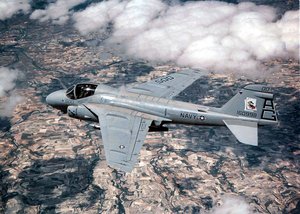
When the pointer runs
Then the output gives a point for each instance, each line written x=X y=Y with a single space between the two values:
x=86 y=92
x=81 y=92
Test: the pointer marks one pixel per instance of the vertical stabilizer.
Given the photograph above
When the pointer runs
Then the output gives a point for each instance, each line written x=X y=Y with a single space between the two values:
x=253 y=101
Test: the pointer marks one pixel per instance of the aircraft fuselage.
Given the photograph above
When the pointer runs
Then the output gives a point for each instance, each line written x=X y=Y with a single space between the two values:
x=126 y=115
x=169 y=111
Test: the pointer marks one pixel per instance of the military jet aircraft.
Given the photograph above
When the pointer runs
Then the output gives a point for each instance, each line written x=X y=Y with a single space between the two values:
x=126 y=115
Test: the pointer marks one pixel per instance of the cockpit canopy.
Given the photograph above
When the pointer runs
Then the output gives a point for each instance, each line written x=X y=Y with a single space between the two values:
x=81 y=91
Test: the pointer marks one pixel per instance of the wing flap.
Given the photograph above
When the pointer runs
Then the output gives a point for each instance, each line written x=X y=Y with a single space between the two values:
x=142 y=126
x=244 y=131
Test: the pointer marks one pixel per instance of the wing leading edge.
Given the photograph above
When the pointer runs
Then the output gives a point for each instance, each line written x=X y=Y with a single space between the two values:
x=123 y=134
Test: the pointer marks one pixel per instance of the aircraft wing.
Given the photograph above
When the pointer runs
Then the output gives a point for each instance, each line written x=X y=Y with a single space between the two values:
x=123 y=134
x=168 y=86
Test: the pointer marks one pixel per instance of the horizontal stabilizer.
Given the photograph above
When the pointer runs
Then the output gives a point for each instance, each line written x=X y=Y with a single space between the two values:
x=244 y=131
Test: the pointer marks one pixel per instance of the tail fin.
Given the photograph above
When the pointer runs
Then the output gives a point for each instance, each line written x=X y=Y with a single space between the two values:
x=254 y=102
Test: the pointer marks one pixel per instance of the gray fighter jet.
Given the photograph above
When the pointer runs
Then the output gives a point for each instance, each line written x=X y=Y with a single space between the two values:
x=125 y=115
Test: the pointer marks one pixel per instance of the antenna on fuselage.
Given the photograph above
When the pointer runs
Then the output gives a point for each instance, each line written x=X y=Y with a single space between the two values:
x=123 y=89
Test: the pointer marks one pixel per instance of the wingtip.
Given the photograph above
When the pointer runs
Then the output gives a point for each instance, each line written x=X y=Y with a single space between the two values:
x=120 y=167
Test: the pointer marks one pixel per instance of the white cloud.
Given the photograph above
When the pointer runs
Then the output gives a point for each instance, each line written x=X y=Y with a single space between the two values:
x=8 y=108
x=232 y=205
x=136 y=18
x=7 y=80
x=58 y=12
x=10 y=7
x=9 y=99
x=289 y=26
x=211 y=34
x=97 y=16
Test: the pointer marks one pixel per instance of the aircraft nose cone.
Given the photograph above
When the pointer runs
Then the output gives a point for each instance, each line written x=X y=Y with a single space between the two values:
x=55 y=98
x=50 y=99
